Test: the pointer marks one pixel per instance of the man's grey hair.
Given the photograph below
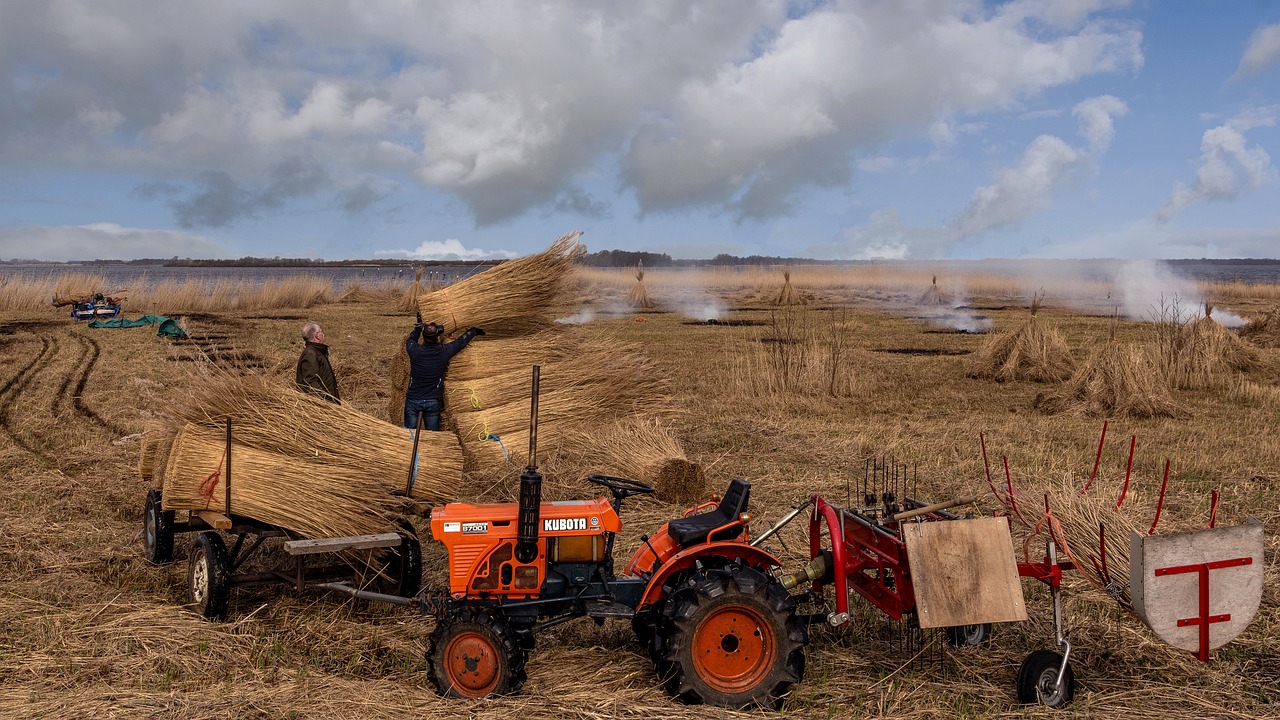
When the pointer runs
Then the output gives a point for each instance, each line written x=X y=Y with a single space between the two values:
x=309 y=330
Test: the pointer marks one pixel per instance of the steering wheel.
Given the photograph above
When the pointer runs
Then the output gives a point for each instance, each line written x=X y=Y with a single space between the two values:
x=622 y=487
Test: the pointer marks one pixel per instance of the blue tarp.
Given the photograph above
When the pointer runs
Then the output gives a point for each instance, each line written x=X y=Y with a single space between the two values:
x=168 y=326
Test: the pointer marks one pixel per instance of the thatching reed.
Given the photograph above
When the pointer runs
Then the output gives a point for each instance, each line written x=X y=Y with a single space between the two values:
x=350 y=444
x=399 y=384
x=639 y=296
x=486 y=357
x=510 y=299
x=933 y=296
x=1031 y=352
x=788 y=294
x=1087 y=522
x=409 y=301
x=1263 y=330
x=645 y=449
x=1117 y=380
x=1203 y=353
x=311 y=497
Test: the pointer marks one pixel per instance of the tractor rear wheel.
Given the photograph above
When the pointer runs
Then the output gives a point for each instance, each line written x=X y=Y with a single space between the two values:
x=731 y=637
x=473 y=653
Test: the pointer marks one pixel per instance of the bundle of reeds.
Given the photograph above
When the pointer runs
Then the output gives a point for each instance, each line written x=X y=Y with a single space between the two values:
x=647 y=450
x=511 y=299
x=311 y=497
x=399 y=384
x=487 y=357
x=1033 y=352
x=1209 y=352
x=1117 y=380
x=291 y=424
x=933 y=296
x=639 y=296
x=409 y=301
x=788 y=294
x=1086 y=524
x=1263 y=330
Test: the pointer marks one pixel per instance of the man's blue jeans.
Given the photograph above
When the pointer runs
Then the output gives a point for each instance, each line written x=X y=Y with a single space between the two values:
x=430 y=410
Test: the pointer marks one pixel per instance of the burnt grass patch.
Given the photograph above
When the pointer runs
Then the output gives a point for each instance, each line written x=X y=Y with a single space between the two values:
x=726 y=323
x=927 y=352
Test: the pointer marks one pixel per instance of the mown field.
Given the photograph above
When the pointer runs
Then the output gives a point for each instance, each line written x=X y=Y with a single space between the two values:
x=89 y=629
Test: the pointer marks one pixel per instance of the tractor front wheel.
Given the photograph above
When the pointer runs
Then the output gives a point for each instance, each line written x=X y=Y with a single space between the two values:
x=473 y=654
x=730 y=637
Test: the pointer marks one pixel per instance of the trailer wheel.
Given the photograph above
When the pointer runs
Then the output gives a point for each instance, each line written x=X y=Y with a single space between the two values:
x=968 y=635
x=393 y=570
x=157 y=530
x=208 y=576
x=473 y=653
x=1038 y=678
x=731 y=637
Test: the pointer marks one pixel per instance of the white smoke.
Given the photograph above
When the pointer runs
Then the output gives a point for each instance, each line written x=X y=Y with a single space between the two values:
x=1150 y=290
x=582 y=317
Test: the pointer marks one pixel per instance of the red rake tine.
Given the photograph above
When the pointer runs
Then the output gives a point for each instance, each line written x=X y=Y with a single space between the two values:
x=1097 y=460
x=1127 y=472
x=1213 y=510
x=1160 y=503
x=1013 y=502
x=987 y=464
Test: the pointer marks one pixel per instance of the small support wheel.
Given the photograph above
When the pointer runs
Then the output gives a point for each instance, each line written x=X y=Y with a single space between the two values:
x=1038 y=680
x=968 y=635
x=731 y=637
x=473 y=653
x=157 y=530
x=208 y=576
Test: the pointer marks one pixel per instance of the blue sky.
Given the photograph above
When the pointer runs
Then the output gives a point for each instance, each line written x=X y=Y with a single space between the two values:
x=921 y=129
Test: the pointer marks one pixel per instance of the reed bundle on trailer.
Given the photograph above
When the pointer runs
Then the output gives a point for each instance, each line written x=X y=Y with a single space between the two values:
x=311 y=497
x=592 y=369
x=511 y=299
x=788 y=294
x=399 y=385
x=1263 y=330
x=647 y=450
x=639 y=296
x=291 y=424
x=1033 y=352
x=409 y=301
x=1115 y=381
x=933 y=296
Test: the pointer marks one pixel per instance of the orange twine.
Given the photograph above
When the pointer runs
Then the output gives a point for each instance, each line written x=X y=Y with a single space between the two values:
x=208 y=485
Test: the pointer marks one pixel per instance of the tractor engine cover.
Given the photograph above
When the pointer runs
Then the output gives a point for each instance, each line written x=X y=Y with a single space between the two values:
x=481 y=540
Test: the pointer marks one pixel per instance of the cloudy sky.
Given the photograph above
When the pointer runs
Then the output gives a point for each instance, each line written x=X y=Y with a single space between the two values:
x=838 y=130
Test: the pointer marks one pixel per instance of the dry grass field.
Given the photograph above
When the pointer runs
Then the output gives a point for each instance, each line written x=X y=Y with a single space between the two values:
x=795 y=399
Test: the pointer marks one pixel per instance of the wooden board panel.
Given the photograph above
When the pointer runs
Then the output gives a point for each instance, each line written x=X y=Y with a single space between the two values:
x=216 y=520
x=963 y=572
x=355 y=542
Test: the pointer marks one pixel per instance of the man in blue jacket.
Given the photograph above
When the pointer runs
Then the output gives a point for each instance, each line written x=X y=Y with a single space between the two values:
x=428 y=362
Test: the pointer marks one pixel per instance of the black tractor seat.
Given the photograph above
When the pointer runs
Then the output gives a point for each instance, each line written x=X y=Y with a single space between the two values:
x=694 y=529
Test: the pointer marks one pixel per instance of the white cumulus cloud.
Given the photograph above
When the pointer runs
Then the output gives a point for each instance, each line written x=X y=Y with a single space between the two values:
x=1262 y=52
x=1021 y=191
x=1229 y=165
x=450 y=249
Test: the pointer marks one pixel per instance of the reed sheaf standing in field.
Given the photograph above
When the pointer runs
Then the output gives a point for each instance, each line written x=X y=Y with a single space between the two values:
x=315 y=374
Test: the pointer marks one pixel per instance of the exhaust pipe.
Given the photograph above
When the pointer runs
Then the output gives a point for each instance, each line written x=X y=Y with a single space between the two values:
x=530 y=487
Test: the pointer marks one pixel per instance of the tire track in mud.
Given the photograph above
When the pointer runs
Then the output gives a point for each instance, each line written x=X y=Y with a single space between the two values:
x=88 y=362
x=18 y=384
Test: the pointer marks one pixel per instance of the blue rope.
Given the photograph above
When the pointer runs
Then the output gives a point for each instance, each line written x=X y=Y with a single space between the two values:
x=498 y=440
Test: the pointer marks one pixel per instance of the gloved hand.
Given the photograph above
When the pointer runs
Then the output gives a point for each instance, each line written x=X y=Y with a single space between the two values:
x=478 y=331
x=418 y=315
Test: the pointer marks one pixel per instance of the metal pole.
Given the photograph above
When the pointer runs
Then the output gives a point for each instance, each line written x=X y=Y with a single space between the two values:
x=533 y=420
x=227 y=484
x=413 y=459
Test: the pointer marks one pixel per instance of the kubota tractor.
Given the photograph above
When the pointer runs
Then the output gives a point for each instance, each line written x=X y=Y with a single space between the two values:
x=719 y=627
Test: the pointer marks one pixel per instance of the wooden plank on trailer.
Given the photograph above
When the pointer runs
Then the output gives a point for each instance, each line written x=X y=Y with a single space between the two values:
x=355 y=542
x=963 y=572
x=215 y=520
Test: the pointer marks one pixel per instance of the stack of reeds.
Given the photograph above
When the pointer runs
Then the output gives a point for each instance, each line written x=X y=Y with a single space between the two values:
x=646 y=449
x=933 y=296
x=639 y=296
x=399 y=384
x=1116 y=381
x=1209 y=353
x=409 y=301
x=1031 y=352
x=311 y=466
x=508 y=300
x=1263 y=330
x=788 y=294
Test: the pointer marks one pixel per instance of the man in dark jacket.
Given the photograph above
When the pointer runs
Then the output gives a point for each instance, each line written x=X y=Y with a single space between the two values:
x=428 y=361
x=315 y=374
